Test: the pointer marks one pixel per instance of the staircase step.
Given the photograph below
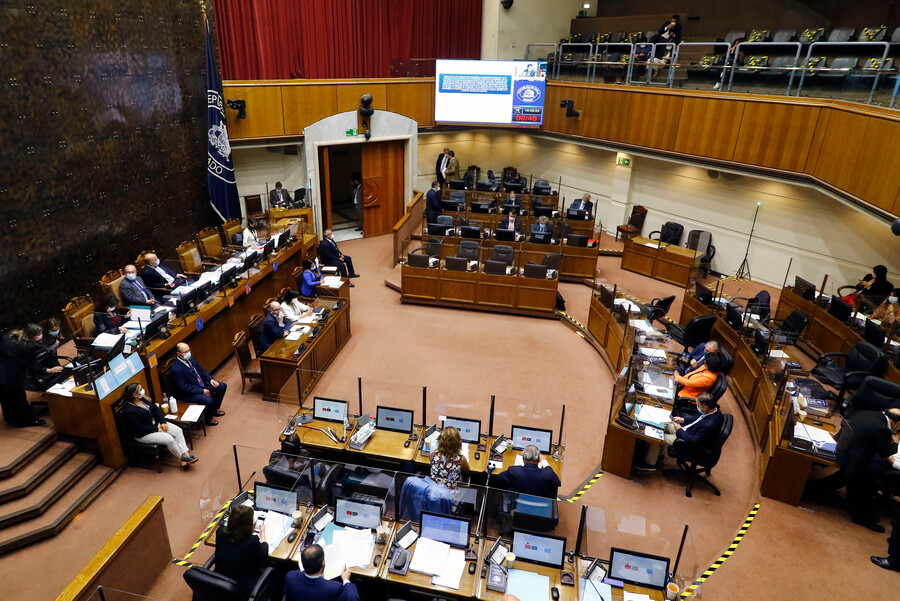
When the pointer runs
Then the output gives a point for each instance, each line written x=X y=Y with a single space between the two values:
x=47 y=492
x=69 y=505
x=18 y=446
x=37 y=470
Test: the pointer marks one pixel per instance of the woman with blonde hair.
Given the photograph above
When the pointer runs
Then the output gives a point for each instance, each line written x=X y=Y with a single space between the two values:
x=447 y=462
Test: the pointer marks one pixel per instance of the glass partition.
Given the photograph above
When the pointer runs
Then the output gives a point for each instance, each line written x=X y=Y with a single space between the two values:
x=660 y=536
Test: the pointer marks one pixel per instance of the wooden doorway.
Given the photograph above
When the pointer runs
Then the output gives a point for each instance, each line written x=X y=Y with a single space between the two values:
x=382 y=173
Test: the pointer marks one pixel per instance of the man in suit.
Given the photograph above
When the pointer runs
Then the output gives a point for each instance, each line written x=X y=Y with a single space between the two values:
x=441 y=165
x=191 y=383
x=531 y=478
x=542 y=226
x=433 y=203
x=513 y=200
x=699 y=430
x=584 y=204
x=331 y=255
x=275 y=326
x=159 y=276
x=279 y=197
x=133 y=290
x=309 y=583
x=892 y=561
x=451 y=171
x=511 y=223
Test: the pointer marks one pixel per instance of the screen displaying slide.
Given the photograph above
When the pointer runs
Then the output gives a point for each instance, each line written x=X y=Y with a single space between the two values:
x=539 y=549
x=504 y=92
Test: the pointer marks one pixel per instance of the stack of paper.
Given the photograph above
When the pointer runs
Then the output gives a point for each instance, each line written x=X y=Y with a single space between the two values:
x=277 y=527
x=627 y=304
x=192 y=413
x=819 y=437
x=527 y=586
x=332 y=281
x=356 y=546
x=429 y=557
x=63 y=388
x=106 y=341
x=452 y=571
x=657 y=417
x=654 y=353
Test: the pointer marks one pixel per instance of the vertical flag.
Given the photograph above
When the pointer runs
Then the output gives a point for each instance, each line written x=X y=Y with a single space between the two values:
x=219 y=168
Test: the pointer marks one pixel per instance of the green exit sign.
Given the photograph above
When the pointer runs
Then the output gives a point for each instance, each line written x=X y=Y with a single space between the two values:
x=624 y=161
x=351 y=132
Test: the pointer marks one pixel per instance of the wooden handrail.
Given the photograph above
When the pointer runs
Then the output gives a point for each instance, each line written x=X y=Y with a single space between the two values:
x=407 y=224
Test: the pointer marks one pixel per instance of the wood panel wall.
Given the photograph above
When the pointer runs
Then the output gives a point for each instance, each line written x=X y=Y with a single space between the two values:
x=852 y=147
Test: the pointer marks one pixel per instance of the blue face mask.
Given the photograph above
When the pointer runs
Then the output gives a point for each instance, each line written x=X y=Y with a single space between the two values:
x=54 y=333
x=131 y=276
x=187 y=356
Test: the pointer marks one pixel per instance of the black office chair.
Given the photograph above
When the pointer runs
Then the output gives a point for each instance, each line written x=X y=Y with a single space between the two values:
x=846 y=371
x=468 y=250
x=874 y=394
x=696 y=331
x=874 y=333
x=670 y=233
x=696 y=461
x=790 y=329
x=417 y=260
x=534 y=270
x=761 y=304
x=445 y=220
x=503 y=253
x=702 y=240
x=211 y=586
x=552 y=260
x=658 y=308
x=458 y=198
x=431 y=249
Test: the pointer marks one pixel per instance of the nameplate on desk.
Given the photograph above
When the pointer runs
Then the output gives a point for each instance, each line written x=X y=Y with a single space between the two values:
x=199 y=323
x=230 y=300
x=247 y=288
x=151 y=361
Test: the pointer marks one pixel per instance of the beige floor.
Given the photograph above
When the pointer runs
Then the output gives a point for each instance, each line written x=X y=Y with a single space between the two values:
x=530 y=364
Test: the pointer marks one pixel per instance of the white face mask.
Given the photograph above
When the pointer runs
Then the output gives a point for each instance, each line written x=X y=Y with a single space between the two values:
x=141 y=392
x=892 y=300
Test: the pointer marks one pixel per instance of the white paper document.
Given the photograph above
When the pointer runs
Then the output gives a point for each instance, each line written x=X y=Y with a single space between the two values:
x=277 y=527
x=452 y=572
x=332 y=281
x=629 y=306
x=106 y=341
x=192 y=413
x=653 y=353
x=813 y=434
x=595 y=591
x=652 y=432
x=658 y=416
x=635 y=596
x=429 y=556
x=527 y=585
x=356 y=546
x=334 y=561
x=64 y=388
x=778 y=354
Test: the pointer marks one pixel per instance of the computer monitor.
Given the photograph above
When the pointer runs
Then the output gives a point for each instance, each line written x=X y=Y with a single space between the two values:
x=505 y=235
x=80 y=372
x=485 y=186
x=804 y=288
x=299 y=194
x=577 y=240
x=516 y=187
x=841 y=310
x=535 y=270
x=537 y=506
x=481 y=207
x=357 y=514
x=510 y=207
x=544 y=238
x=116 y=349
x=268 y=248
x=250 y=259
x=456 y=263
x=457 y=184
x=331 y=410
x=446 y=529
x=274 y=498
x=157 y=323
x=450 y=206
x=579 y=214
x=522 y=437
x=542 y=211
x=439 y=229
x=760 y=342
x=282 y=239
x=396 y=420
x=469 y=429
x=470 y=231
x=228 y=279
x=873 y=333
x=703 y=294
x=642 y=569
x=733 y=316
x=539 y=548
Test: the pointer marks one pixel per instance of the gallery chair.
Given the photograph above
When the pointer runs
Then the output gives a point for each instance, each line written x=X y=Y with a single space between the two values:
x=635 y=223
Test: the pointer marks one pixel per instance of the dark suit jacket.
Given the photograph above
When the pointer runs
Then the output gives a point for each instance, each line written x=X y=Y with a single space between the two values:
x=331 y=255
x=675 y=32
x=437 y=168
x=576 y=204
x=273 y=197
x=529 y=479
x=104 y=324
x=300 y=587
x=184 y=380
x=704 y=433
x=537 y=228
x=516 y=202
x=271 y=332
x=871 y=437
x=17 y=360
x=242 y=561
x=130 y=294
x=504 y=225
x=140 y=422
x=155 y=280
x=433 y=201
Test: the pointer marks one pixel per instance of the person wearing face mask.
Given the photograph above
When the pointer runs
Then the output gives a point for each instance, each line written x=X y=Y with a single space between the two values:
x=332 y=256
x=144 y=421
x=311 y=279
x=159 y=276
x=18 y=362
x=249 y=236
x=191 y=383
x=133 y=290
x=699 y=430
x=889 y=310
x=275 y=326
x=107 y=320
x=51 y=334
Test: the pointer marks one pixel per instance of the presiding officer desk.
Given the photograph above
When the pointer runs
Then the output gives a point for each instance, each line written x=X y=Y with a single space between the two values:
x=664 y=262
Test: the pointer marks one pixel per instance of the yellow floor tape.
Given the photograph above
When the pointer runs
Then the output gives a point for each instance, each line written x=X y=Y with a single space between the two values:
x=212 y=524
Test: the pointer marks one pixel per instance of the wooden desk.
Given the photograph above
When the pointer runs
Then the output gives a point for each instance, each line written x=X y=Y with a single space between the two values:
x=278 y=363
x=422 y=582
x=388 y=445
x=226 y=313
x=509 y=458
x=371 y=570
x=620 y=442
x=609 y=329
x=618 y=594
x=667 y=263
x=87 y=416
x=479 y=290
x=315 y=440
x=284 y=551
x=476 y=466
x=566 y=593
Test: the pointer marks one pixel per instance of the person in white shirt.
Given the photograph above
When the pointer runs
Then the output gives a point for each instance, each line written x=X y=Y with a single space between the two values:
x=159 y=276
x=293 y=309
x=250 y=238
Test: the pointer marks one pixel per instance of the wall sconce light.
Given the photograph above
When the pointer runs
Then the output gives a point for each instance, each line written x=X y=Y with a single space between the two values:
x=569 y=105
x=365 y=113
x=240 y=106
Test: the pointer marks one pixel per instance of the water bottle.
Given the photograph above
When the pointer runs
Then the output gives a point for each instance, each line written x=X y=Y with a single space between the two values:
x=173 y=405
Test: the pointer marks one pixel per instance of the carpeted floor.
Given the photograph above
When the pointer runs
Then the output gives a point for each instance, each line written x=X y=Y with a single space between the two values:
x=533 y=366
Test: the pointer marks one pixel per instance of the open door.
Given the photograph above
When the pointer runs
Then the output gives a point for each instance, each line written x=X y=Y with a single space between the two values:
x=382 y=178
